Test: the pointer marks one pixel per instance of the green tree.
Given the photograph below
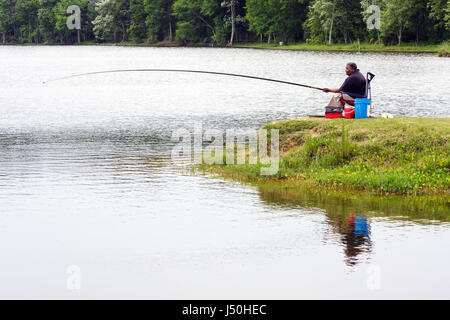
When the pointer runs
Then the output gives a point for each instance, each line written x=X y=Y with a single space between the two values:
x=196 y=19
x=137 y=29
x=7 y=18
x=320 y=20
x=159 y=21
x=231 y=6
x=122 y=16
x=287 y=18
x=104 y=21
x=276 y=18
x=447 y=16
x=112 y=17
x=438 y=12
x=258 y=16
x=26 y=12
x=349 y=21
x=46 y=19
x=224 y=21
x=396 y=18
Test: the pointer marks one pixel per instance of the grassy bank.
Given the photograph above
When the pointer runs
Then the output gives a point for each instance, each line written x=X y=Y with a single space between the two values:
x=444 y=49
x=401 y=155
x=440 y=49
x=353 y=47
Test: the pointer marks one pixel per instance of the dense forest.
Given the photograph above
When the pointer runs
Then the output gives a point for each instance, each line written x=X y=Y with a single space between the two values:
x=225 y=22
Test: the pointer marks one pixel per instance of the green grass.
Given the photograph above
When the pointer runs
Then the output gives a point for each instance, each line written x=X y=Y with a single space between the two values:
x=353 y=47
x=442 y=49
x=400 y=156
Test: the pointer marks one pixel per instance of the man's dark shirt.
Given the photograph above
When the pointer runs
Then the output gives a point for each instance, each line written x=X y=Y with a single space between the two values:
x=355 y=83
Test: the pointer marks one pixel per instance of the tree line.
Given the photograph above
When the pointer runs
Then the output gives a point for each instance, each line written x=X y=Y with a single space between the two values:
x=225 y=21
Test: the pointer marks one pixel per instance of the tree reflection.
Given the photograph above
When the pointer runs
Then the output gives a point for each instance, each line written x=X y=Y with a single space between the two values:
x=349 y=213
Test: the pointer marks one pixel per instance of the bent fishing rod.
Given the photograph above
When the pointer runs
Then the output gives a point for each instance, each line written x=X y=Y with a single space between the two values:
x=185 y=71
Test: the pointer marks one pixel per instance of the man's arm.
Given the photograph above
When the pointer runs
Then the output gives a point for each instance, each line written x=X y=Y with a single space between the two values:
x=331 y=90
x=342 y=88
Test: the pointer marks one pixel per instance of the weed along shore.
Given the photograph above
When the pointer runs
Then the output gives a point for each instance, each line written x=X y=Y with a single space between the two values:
x=442 y=50
x=386 y=156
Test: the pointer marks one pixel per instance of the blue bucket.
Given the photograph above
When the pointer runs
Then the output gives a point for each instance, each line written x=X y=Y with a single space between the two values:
x=361 y=107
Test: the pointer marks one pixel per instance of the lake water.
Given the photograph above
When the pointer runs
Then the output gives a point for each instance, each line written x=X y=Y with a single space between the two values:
x=91 y=205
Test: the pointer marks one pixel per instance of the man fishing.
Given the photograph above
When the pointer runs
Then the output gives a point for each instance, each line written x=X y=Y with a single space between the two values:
x=353 y=86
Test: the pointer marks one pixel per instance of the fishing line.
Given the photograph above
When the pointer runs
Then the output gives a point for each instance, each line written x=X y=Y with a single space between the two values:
x=185 y=71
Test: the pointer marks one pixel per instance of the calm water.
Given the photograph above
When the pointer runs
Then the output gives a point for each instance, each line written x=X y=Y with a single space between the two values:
x=86 y=180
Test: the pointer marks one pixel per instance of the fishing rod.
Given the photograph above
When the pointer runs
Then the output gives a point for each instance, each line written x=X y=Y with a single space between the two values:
x=185 y=71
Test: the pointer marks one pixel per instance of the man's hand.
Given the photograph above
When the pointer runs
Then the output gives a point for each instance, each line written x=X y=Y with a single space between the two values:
x=331 y=90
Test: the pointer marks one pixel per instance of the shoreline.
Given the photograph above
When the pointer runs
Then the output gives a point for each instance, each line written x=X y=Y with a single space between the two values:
x=286 y=193
x=364 y=47
x=400 y=156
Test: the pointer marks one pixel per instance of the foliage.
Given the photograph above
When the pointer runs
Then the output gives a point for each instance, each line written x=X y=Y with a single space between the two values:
x=196 y=19
x=159 y=19
x=401 y=155
x=103 y=22
x=221 y=21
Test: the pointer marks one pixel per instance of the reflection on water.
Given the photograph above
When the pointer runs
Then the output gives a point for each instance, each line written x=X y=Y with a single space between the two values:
x=355 y=234
x=349 y=213
x=420 y=209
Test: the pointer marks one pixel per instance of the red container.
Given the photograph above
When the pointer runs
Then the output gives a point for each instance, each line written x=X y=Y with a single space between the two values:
x=333 y=112
x=349 y=113
x=333 y=115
